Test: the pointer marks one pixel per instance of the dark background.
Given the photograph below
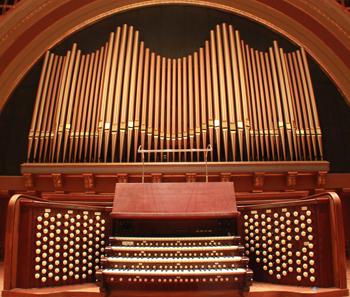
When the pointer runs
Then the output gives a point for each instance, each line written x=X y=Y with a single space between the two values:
x=173 y=31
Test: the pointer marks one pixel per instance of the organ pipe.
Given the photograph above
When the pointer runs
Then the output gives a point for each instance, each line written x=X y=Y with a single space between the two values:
x=313 y=103
x=203 y=98
x=98 y=123
x=145 y=88
x=245 y=123
x=43 y=133
x=299 y=111
x=269 y=129
x=36 y=107
x=185 y=106
x=138 y=99
x=168 y=107
x=50 y=112
x=57 y=129
x=275 y=142
x=259 y=132
x=173 y=107
x=209 y=97
x=71 y=102
x=248 y=104
x=95 y=108
x=162 y=106
x=105 y=98
x=234 y=103
x=249 y=122
x=157 y=106
x=179 y=106
x=281 y=125
x=150 y=104
x=197 y=104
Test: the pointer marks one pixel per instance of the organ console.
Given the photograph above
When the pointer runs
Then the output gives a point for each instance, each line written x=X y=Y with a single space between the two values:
x=195 y=247
x=145 y=243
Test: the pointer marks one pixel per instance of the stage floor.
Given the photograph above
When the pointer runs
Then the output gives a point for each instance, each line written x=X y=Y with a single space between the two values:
x=256 y=290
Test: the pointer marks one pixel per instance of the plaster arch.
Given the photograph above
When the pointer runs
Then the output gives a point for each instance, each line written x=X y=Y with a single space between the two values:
x=34 y=26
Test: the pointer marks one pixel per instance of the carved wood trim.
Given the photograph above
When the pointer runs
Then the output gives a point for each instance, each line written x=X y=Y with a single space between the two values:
x=191 y=177
x=258 y=181
x=122 y=177
x=89 y=182
x=57 y=182
x=291 y=181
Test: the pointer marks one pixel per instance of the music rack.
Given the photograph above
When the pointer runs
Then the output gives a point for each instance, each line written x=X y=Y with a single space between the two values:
x=205 y=151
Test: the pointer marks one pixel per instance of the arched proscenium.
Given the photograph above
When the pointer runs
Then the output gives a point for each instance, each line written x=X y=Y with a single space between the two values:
x=33 y=26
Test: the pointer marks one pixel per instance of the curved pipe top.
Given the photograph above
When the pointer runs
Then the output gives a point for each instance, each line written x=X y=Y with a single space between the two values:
x=36 y=25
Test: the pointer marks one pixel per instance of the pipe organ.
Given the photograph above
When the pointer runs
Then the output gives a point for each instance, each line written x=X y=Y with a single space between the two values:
x=255 y=111
x=250 y=105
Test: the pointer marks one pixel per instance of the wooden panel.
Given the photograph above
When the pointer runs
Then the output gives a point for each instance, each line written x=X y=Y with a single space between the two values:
x=194 y=200
x=257 y=290
x=291 y=242
x=51 y=244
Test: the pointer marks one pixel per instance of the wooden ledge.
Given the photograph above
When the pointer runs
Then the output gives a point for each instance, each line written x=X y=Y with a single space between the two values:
x=175 y=167
x=256 y=290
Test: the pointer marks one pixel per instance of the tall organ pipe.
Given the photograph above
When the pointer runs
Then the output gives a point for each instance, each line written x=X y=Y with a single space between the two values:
x=247 y=103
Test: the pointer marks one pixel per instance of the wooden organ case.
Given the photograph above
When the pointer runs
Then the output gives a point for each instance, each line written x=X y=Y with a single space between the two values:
x=175 y=236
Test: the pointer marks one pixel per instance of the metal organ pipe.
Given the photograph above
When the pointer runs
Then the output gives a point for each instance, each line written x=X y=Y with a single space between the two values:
x=250 y=105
